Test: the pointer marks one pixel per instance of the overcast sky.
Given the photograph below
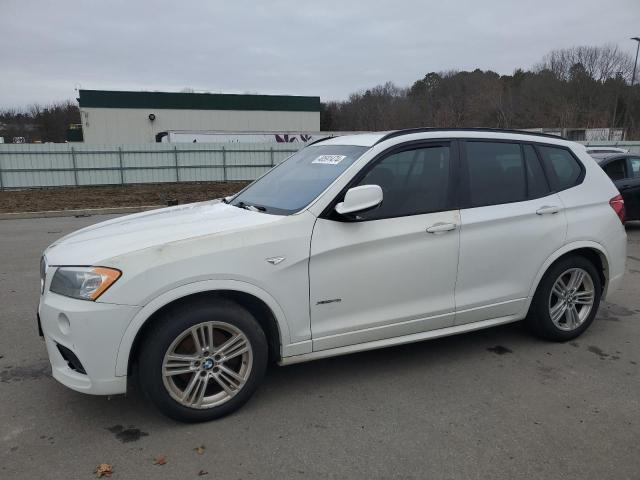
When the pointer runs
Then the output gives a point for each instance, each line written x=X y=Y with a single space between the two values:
x=326 y=48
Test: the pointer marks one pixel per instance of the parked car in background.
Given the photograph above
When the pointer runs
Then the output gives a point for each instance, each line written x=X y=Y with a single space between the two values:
x=352 y=243
x=599 y=150
x=624 y=170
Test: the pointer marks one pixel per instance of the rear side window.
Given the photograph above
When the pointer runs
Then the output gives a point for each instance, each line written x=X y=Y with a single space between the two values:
x=616 y=169
x=496 y=173
x=563 y=169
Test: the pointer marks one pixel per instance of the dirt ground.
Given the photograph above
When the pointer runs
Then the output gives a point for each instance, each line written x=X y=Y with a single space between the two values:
x=37 y=200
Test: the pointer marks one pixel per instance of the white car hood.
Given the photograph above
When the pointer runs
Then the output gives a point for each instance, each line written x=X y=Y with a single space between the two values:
x=147 y=229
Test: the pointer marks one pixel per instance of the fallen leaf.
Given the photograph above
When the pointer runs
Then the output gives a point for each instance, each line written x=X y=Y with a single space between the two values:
x=202 y=473
x=104 y=470
x=160 y=460
x=199 y=450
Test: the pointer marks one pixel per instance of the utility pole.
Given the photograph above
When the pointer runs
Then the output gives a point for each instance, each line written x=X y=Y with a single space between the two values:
x=635 y=65
x=619 y=82
x=633 y=79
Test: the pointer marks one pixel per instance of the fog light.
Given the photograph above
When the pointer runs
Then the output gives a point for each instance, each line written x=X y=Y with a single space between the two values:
x=63 y=323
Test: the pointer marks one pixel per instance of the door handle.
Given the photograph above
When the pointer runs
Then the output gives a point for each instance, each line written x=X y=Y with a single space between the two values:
x=441 y=227
x=547 y=210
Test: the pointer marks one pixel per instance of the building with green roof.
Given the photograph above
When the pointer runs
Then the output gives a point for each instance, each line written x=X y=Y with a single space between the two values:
x=122 y=117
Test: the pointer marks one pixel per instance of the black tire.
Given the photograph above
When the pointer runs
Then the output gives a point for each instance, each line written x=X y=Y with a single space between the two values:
x=169 y=327
x=539 y=318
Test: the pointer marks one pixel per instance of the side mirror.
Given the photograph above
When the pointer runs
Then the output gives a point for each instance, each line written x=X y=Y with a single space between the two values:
x=359 y=199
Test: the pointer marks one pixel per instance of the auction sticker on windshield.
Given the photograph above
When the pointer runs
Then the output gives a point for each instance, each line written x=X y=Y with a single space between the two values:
x=329 y=159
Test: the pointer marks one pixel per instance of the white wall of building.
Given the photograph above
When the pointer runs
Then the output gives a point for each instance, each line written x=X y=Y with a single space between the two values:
x=132 y=125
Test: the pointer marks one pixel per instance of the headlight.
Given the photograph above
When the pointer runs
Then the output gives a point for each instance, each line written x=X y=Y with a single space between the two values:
x=84 y=283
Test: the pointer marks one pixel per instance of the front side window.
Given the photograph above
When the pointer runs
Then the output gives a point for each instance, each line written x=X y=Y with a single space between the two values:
x=496 y=173
x=413 y=182
x=563 y=169
x=616 y=169
x=297 y=181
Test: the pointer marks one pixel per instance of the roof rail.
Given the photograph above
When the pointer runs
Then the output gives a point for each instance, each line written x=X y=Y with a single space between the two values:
x=408 y=131
x=321 y=140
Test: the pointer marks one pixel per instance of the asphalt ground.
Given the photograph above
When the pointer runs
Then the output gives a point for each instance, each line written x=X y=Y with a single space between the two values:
x=495 y=404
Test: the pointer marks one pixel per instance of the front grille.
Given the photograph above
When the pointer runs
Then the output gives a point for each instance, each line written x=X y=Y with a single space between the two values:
x=72 y=360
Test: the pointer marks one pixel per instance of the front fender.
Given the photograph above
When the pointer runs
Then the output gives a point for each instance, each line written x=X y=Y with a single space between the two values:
x=124 y=350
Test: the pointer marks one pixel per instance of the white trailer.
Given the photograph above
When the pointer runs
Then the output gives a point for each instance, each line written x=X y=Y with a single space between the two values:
x=200 y=136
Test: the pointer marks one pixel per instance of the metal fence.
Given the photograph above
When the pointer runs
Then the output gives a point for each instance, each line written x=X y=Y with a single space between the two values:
x=54 y=165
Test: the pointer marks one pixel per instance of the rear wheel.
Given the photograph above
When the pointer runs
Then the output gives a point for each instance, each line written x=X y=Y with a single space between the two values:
x=203 y=361
x=567 y=300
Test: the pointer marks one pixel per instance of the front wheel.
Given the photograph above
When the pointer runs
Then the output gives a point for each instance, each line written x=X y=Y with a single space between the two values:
x=202 y=361
x=566 y=301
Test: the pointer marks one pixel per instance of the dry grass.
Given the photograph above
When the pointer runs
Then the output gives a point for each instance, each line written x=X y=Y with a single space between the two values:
x=37 y=200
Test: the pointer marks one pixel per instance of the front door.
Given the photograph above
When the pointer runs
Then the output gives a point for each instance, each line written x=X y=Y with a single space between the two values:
x=391 y=271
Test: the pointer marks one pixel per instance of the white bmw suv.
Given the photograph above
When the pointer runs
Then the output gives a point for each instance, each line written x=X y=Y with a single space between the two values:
x=353 y=243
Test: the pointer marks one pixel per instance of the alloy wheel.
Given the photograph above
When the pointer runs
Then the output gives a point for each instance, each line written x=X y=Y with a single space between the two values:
x=571 y=299
x=207 y=365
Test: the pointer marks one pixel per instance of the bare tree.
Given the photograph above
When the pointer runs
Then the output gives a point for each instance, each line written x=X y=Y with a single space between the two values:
x=39 y=123
x=599 y=63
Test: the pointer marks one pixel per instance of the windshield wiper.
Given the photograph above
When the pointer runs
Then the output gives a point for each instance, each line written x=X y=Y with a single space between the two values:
x=253 y=208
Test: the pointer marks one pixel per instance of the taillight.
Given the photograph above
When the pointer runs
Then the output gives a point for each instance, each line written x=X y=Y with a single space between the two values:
x=617 y=203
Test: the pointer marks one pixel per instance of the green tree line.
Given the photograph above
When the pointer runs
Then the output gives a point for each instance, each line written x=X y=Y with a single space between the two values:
x=582 y=87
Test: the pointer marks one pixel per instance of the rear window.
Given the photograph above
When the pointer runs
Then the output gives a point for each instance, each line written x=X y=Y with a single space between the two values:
x=563 y=169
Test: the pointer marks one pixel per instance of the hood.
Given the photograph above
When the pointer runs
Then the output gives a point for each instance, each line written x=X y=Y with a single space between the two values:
x=152 y=228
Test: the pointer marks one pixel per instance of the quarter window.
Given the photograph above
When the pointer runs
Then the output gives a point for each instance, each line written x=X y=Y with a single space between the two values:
x=496 y=173
x=562 y=167
x=537 y=185
x=412 y=181
x=635 y=167
x=616 y=169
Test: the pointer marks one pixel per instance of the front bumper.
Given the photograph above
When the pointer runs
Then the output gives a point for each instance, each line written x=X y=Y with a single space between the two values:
x=92 y=331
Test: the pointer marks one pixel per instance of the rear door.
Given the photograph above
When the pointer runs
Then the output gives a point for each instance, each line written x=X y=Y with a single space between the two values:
x=511 y=222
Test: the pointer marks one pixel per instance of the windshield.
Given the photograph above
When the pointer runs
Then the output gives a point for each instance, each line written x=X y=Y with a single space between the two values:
x=297 y=181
